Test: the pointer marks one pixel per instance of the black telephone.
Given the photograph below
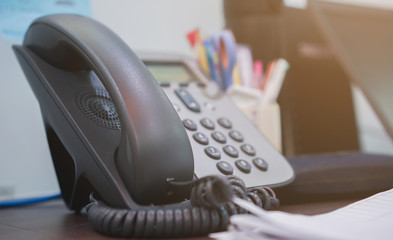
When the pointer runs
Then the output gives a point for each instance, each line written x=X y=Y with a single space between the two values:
x=113 y=131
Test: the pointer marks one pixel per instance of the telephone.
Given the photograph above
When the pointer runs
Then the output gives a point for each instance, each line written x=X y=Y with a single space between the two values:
x=116 y=132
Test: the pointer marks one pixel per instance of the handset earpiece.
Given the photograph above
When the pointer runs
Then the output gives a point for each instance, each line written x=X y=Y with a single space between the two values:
x=154 y=145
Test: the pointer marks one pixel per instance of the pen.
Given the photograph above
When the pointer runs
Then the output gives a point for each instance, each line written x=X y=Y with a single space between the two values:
x=266 y=77
x=211 y=59
x=195 y=39
x=274 y=84
x=258 y=74
x=226 y=48
x=245 y=65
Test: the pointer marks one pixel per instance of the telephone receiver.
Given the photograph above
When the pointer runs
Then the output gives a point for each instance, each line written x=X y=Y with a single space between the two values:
x=112 y=131
x=63 y=49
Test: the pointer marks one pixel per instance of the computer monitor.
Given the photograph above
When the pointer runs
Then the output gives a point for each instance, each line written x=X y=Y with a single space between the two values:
x=362 y=39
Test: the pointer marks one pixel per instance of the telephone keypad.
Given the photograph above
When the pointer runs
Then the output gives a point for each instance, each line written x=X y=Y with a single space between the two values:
x=219 y=137
x=225 y=168
x=189 y=124
x=236 y=135
x=213 y=152
x=201 y=138
x=243 y=165
x=207 y=123
x=225 y=122
x=248 y=149
x=231 y=151
x=244 y=152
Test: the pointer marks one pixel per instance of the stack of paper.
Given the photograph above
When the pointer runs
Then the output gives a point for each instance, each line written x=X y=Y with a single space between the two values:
x=371 y=218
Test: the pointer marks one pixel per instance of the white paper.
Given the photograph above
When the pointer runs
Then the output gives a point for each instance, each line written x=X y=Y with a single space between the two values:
x=371 y=218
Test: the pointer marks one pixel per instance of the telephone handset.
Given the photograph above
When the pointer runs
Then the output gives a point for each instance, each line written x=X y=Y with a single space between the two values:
x=113 y=131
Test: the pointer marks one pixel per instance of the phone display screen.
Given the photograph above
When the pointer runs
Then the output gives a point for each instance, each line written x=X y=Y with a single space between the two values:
x=170 y=72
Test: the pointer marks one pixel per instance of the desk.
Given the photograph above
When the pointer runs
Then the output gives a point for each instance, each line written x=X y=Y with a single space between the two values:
x=52 y=220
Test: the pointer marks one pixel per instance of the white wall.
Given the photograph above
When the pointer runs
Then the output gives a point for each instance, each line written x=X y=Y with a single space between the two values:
x=159 y=25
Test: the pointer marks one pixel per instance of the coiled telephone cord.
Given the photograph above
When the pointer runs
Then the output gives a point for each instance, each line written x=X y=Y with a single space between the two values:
x=208 y=210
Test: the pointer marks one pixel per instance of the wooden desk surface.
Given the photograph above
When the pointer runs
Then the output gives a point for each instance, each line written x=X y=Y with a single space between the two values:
x=52 y=220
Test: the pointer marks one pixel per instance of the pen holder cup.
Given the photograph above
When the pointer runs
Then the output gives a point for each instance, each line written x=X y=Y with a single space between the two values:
x=266 y=117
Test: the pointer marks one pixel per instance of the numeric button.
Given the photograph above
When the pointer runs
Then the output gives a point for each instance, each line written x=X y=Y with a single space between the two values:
x=243 y=166
x=200 y=138
x=236 y=135
x=231 y=151
x=219 y=137
x=213 y=152
x=224 y=122
x=225 y=167
x=189 y=124
x=207 y=123
x=248 y=149
x=260 y=163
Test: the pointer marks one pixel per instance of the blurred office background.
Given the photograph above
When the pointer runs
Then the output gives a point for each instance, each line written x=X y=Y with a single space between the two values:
x=321 y=110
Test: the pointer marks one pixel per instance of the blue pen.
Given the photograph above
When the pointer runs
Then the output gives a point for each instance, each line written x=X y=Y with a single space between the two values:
x=211 y=54
x=225 y=45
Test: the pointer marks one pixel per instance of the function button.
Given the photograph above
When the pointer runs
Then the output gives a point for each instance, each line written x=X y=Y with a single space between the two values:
x=183 y=84
x=188 y=100
x=213 y=152
x=225 y=167
x=236 y=135
x=207 y=123
x=200 y=138
x=201 y=84
x=224 y=122
x=165 y=84
x=231 y=151
x=260 y=163
x=189 y=124
x=194 y=106
x=209 y=106
x=248 y=149
x=219 y=137
x=243 y=166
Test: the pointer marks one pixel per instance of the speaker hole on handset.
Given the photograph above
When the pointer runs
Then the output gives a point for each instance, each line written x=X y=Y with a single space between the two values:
x=97 y=105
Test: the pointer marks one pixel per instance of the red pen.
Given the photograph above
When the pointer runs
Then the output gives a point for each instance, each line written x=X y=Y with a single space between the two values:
x=268 y=73
x=258 y=74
